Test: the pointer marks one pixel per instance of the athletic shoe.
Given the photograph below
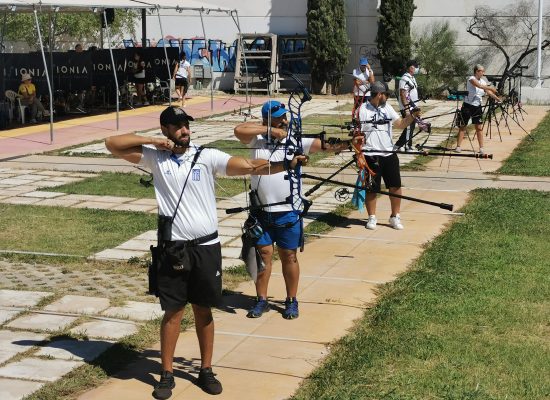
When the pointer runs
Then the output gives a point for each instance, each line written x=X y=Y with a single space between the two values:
x=146 y=103
x=395 y=222
x=259 y=308
x=371 y=222
x=291 y=308
x=481 y=150
x=457 y=149
x=408 y=149
x=207 y=381
x=163 y=389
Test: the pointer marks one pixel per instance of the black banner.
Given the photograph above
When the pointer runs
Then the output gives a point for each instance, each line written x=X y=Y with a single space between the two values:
x=74 y=72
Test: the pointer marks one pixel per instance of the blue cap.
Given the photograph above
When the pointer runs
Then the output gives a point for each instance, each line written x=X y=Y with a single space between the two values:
x=273 y=107
x=363 y=61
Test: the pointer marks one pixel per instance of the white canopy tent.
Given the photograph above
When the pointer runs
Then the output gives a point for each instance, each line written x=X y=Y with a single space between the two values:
x=39 y=6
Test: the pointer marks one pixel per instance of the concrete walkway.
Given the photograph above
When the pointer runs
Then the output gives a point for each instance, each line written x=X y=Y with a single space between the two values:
x=269 y=357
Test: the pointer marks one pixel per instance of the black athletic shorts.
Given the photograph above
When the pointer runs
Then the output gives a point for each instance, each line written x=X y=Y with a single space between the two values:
x=139 y=80
x=182 y=82
x=202 y=285
x=469 y=111
x=386 y=168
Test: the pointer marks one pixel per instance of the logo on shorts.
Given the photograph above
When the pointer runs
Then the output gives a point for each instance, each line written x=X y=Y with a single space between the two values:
x=196 y=175
x=167 y=172
x=217 y=273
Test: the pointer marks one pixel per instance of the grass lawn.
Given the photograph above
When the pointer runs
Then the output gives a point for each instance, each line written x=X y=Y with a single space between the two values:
x=127 y=185
x=470 y=319
x=531 y=156
x=68 y=230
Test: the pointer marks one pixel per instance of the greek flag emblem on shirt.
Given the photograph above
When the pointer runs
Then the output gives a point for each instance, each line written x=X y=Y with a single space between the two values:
x=196 y=176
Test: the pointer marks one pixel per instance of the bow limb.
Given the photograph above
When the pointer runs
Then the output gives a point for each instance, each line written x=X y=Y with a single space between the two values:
x=293 y=146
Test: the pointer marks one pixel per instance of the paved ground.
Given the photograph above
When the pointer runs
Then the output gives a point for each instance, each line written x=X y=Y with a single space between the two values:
x=270 y=356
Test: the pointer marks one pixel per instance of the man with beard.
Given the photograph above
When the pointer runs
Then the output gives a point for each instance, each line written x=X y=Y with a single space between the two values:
x=377 y=118
x=189 y=270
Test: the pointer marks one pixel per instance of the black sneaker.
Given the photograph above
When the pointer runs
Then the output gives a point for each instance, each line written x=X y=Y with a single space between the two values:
x=208 y=382
x=163 y=389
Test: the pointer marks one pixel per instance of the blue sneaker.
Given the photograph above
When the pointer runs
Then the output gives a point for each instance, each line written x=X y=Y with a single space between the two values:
x=291 y=308
x=259 y=308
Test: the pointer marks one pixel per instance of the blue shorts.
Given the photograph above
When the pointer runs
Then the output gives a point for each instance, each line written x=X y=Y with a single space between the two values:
x=283 y=228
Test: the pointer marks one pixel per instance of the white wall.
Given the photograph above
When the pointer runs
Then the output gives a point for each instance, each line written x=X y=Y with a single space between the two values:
x=289 y=17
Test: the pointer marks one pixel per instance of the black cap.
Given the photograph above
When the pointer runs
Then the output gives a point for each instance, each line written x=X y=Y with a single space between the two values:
x=379 y=87
x=411 y=63
x=174 y=115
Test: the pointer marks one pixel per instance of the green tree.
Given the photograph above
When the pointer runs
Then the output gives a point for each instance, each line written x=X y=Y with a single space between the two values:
x=328 y=42
x=77 y=27
x=442 y=64
x=394 y=34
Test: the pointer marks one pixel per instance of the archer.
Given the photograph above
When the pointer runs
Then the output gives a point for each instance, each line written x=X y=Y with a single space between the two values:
x=377 y=118
x=281 y=224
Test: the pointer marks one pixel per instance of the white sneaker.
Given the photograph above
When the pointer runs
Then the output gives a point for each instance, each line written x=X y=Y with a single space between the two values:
x=146 y=103
x=395 y=222
x=457 y=149
x=409 y=149
x=371 y=222
x=481 y=150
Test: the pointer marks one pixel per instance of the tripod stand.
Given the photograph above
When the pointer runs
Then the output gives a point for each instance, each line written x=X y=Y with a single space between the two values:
x=490 y=116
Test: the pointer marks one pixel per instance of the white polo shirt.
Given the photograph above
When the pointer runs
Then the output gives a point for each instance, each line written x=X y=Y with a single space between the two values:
x=272 y=188
x=183 y=69
x=378 y=136
x=361 y=89
x=408 y=83
x=196 y=214
x=474 y=93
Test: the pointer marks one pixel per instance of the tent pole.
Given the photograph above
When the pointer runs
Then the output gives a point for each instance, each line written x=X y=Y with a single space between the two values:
x=52 y=45
x=167 y=61
x=46 y=70
x=210 y=62
x=143 y=27
x=108 y=32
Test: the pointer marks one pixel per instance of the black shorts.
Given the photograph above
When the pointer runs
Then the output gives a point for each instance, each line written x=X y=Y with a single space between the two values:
x=182 y=82
x=386 y=168
x=469 y=111
x=139 y=80
x=202 y=285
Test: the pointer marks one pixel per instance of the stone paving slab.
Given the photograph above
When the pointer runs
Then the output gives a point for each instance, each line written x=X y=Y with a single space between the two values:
x=58 y=202
x=20 y=200
x=135 y=310
x=6 y=315
x=80 y=350
x=42 y=322
x=18 y=298
x=12 y=343
x=137 y=244
x=231 y=252
x=15 y=389
x=38 y=369
x=78 y=304
x=118 y=254
x=149 y=235
x=106 y=329
x=42 y=194
x=231 y=262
